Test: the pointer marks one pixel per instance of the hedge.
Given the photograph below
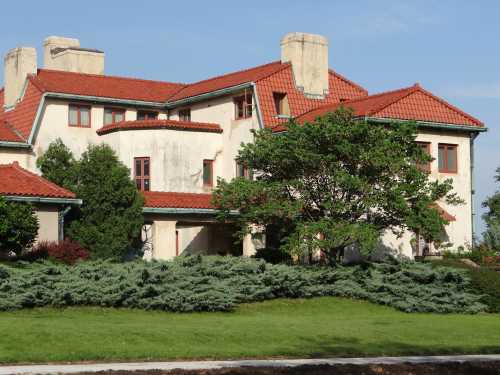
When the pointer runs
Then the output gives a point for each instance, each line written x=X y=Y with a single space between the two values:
x=213 y=283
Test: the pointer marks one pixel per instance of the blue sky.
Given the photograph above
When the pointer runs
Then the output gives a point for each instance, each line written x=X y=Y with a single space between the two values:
x=451 y=48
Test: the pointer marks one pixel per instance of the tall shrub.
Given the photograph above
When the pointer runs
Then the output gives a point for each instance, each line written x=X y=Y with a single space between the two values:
x=18 y=227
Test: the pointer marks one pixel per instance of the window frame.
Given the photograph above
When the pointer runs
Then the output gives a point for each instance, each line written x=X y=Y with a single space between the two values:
x=247 y=106
x=147 y=113
x=142 y=177
x=182 y=114
x=279 y=99
x=209 y=162
x=247 y=172
x=114 y=111
x=446 y=147
x=426 y=167
x=79 y=115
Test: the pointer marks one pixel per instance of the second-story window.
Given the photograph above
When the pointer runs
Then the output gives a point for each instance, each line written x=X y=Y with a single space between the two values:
x=243 y=106
x=79 y=115
x=142 y=173
x=281 y=104
x=426 y=147
x=147 y=115
x=112 y=115
x=243 y=171
x=185 y=114
x=447 y=158
x=208 y=172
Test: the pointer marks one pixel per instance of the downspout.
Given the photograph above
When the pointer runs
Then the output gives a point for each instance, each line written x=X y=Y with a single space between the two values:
x=62 y=214
x=472 y=187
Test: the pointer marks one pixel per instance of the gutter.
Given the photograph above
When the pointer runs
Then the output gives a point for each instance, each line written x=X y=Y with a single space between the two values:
x=17 y=198
x=183 y=211
x=14 y=144
x=209 y=95
x=427 y=124
x=62 y=214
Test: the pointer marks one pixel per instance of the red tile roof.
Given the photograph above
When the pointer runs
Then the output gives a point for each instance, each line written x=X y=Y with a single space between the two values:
x=17 y=181
x=229 y=80
x=157 y=199
x=444 y=214
x=104 y=86
x=283 y=82
x=411 y=103
x=8 y=134
x=160 y=124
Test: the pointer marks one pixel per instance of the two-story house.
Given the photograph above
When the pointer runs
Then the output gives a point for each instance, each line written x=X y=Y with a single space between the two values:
x=177 y=139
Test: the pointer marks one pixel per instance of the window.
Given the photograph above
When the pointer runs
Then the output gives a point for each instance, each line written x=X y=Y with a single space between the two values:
x=112 y=115
x=147 y=115
x=79 y=115
x=208 y=173
x=447 y=158
x=243 y=106
x=185 y=114
x=142 y=174
x=243 y=171
x=281 y=104
x=426 y=146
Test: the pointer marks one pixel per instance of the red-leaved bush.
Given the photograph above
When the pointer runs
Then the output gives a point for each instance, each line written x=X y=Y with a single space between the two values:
x=65 y=251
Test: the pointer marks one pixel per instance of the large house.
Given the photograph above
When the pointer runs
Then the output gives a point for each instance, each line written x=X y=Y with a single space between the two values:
x=177 y=138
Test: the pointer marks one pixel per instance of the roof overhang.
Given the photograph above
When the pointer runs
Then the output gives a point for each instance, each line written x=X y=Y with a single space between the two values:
x=427 y=124
x=99 y=99
x=9 y=144
x=183 y=211
x=47 y=200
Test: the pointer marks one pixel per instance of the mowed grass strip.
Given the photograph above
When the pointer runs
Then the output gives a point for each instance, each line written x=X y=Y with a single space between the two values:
x=316 y=327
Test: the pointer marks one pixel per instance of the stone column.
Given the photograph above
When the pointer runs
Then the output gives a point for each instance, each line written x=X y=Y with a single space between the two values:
x=254 y=240
x=164 y=239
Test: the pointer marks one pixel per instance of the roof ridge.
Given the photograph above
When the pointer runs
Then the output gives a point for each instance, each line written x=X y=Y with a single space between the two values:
x=409 y=91
x=236 y=72
x=48 y=183
x=340 y=76
x=111 y=76
x=286 y=65
x=174 y=192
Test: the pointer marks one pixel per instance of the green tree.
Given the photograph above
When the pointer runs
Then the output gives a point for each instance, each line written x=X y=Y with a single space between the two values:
x=336 y=182
x=491 y=236
x=110 y=218
x=18 y=227
x=57 y=164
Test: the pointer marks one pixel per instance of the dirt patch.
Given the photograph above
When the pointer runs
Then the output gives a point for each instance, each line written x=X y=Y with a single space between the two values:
x=451 y=368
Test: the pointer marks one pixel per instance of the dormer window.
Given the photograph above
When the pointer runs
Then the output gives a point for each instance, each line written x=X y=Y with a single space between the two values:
x=112 y=115
x=243 y=106
x=281 y=104
x=185 y=114
x=79 y=115
x=147 y=115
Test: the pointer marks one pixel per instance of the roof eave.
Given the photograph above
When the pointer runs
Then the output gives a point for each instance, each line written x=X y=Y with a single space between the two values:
x=208 y=95
x=35 y=199
x=182 y=211
x=428 y=124
x=12 y=144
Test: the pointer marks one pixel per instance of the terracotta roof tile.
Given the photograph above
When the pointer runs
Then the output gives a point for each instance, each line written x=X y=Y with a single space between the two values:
x=410 y=103
x=8 y=134
x=15 y=180
x=157 y=199
x=105 y=86
x=160 y=124
x=283 y=82
x=229 y=80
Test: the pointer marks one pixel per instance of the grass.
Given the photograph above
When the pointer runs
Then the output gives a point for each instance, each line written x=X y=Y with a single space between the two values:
x=316 y=327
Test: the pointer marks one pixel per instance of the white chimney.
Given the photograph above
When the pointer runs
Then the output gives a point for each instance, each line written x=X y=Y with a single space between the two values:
x=65 y=54
x=18 y=63
x=308 y=54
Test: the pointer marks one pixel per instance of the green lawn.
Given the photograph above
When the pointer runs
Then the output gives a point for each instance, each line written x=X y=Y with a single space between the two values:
x=294 y=328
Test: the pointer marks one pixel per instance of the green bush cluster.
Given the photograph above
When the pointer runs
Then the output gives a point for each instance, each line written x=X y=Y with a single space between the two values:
x=219 y=283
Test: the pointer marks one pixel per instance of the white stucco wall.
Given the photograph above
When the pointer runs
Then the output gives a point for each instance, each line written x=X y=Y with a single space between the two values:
x=9 y=155
x=48 y=222
x=459 y=232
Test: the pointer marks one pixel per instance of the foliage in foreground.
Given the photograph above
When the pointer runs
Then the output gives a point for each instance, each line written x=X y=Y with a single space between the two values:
x=18 y=226
x=491 y=236
x=219 y=283
x=110 y=218
x=345 y=179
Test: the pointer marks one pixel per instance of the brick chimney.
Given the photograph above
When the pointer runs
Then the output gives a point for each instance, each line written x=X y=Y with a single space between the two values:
x=60 y=53
x=308 y=54
x=18 y=63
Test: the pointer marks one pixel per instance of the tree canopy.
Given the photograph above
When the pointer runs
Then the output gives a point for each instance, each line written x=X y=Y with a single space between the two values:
x=336 y=182
x=110 y=218
x=491 y=236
